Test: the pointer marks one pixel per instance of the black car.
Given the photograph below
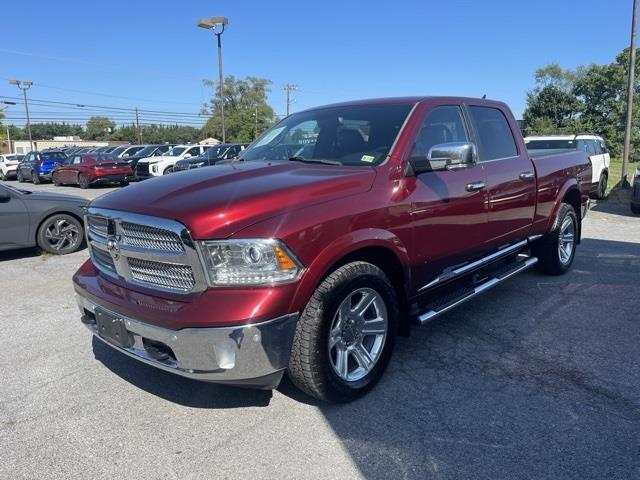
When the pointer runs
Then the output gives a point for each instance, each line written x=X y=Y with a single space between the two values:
x=635 y=192
x=51 y=221
x=37 y=166
x=218 y=153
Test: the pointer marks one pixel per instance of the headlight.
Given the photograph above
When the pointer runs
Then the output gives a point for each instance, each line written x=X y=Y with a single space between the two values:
x=249 y=262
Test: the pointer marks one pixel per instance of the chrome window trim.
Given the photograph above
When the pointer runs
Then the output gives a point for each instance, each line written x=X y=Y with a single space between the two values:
x=190 y=257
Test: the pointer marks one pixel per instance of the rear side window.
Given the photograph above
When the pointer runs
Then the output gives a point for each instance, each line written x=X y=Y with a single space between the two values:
x=596 y=145
x=495 y=137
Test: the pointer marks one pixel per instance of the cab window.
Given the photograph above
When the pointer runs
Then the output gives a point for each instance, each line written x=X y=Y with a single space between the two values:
x=494 y=134
x=442 y=125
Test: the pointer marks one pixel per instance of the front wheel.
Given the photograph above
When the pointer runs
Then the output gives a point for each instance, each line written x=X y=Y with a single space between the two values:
x=557 y=249
x=167 y=171
x=20 y=177
x=55 y=178
x=60 y=234
x=346 y=334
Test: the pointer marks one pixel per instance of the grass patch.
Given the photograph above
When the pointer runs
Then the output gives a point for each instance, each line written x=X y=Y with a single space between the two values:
x=615 y=172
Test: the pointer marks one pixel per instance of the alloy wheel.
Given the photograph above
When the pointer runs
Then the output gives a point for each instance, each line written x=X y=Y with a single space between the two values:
x=566 y=241
x=62 y=235
x=357 y=334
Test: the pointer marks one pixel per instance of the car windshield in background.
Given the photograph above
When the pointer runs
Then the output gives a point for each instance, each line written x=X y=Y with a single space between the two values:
x=215 y=152
x=132 y=151
x=348 y=135
x=175 y=151
x=118 y=150
x=146 y=151
x=556 y=144
x=53 y=156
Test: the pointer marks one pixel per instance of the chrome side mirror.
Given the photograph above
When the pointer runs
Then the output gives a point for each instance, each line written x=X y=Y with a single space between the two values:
x=446 y=156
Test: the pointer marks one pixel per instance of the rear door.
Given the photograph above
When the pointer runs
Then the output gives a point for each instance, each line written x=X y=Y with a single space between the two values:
x=511 y=179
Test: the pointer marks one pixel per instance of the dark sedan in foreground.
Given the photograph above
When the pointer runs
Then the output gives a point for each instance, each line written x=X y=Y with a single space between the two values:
x=51 y=221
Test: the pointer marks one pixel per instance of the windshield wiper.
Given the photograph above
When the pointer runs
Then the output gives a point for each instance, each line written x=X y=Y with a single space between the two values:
x=314 y=160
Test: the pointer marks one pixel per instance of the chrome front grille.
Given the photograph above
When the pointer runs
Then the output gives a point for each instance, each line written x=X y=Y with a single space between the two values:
x=164 y=275
x=144 y=236
x=150 y=252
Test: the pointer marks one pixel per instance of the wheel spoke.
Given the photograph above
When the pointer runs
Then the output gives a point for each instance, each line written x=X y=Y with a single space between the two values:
x=342 y=362
x=334 y=337
x=376 y=326
x=365 y=302
x=362 y=357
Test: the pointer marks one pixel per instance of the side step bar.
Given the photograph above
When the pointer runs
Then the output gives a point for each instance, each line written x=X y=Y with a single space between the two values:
x=456 y=298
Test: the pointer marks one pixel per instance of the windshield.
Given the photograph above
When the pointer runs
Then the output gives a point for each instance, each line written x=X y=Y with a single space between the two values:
x=104 y=157
x=53 y=156
x=147 y=151
x=556 y=144
x=175 y=151
x=348 y=135
x=132 y=151
x=215 y=152
x=118 y=150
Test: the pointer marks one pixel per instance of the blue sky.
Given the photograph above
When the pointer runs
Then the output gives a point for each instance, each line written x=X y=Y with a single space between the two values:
x=152 y=53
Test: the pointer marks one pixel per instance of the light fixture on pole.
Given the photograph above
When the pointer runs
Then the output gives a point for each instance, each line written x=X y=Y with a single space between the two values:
x=25 y=85
x=7 y=103
x=217 y=26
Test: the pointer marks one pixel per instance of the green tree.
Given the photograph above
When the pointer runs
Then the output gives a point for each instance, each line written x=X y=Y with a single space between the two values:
x=245 y=108
x=99 y=128
x=553 y=104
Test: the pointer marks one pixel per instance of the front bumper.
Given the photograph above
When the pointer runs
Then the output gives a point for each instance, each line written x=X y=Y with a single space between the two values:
x=252 y=355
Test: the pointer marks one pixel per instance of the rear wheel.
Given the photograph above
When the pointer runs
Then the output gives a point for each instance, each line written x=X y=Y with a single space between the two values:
x=345 y=336
x=124 y=183
x=60 y=234
x=557 y=249
x=35 y=178
x=55 y=178
x=2 y=175
x=82 y=181
x=602 y=186
x=635 y=208
x=20 y=176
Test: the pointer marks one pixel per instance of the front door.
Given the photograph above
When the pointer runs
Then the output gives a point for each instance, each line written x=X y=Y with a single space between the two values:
x=511 y=179
x=14 y=219
x=448 y=211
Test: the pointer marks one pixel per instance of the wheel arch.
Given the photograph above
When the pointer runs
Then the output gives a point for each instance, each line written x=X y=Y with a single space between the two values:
x=378 y=247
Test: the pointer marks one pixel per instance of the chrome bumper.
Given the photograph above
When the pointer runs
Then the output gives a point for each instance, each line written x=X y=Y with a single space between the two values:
x=252 y=355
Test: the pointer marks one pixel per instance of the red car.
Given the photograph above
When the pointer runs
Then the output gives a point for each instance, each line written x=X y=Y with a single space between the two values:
x=331 y=234
x=91 y=168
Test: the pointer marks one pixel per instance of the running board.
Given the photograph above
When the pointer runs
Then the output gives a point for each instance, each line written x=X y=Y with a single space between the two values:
x=445 y=304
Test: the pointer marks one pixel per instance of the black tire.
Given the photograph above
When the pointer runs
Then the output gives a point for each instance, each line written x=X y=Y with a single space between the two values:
x=602 y=186
x=20 y=177
x=310 y=367
x=2 y=176
x=124 y=183
x=167 y=171
x=550 y=260
x=56 y=179
x=635 y=208
x=66 y=247
x=35 y=178
x=82 y=181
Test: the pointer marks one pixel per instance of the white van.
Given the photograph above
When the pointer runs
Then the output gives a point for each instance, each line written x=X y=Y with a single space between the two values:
x=162 y=165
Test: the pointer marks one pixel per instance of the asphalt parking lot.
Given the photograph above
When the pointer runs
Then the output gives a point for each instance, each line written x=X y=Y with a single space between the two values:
x=539 y=378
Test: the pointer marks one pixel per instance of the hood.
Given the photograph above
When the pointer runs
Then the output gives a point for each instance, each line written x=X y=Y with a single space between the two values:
x=219 y=201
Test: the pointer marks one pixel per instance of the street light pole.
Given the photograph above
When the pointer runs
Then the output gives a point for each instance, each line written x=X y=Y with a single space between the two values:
x=630 y=89
x=211 y=24
x=24 y=85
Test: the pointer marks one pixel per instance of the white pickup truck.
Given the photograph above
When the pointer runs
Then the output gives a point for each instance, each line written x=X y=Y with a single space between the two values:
x=592 y=144
x=162 y=165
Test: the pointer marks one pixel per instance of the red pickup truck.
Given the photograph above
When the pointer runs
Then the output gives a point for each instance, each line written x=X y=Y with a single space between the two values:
x=335 y=231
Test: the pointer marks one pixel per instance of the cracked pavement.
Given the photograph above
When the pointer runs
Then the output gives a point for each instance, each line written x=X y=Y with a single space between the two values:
x=538 y=378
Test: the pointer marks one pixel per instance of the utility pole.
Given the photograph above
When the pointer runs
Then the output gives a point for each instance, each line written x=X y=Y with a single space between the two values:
x=255 y=132
x=25 y=85
x=289 y=88
x=138 y=128
x=632 y=67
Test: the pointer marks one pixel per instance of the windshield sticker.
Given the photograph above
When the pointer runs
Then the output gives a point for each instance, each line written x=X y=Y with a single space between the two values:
x=368 y=158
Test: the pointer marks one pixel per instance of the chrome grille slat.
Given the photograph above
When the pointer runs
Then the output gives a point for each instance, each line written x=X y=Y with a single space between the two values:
x=162 y=274
x=144 y=236
x=151 y=252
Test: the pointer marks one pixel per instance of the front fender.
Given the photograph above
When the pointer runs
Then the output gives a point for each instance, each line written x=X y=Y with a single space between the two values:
x=344 y=246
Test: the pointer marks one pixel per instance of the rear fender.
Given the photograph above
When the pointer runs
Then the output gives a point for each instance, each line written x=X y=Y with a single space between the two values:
x=570 y=185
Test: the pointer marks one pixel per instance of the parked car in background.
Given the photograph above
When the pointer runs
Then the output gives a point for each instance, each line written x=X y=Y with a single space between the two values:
x=592 y=144
x=162 y=165
x=88 y=169
x=148 y=151
x=215 y=154
x=130 y=151
x=49 y=220
x=37 y=166
x=118 y=150
x=635 y=191
x=8 y=165
x=383 y=212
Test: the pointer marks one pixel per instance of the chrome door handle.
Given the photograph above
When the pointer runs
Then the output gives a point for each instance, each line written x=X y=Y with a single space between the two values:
x=526 y=176
x=475 y=186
